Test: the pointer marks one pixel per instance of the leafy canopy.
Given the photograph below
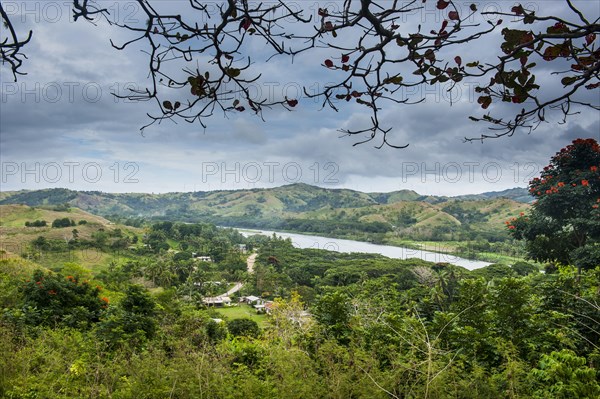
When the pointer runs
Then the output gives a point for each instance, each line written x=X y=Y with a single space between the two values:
x=564 y=224
x=53 y=299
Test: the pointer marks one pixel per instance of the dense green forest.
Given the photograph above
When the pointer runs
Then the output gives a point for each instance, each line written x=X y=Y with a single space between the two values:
x=341 y=325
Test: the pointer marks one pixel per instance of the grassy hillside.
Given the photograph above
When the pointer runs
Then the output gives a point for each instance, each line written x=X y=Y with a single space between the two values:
x=422 y=220
x=17 y=215
x=16 y=239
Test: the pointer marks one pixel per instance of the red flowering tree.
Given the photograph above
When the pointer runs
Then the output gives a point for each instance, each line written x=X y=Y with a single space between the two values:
x=564 y=223
x=53 y=299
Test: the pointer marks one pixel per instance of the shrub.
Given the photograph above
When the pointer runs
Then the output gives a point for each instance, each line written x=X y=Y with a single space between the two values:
x=243 y=327
x=64 y=222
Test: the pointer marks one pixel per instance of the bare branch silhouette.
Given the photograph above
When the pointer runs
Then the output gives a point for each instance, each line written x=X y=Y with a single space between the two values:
x=201 y=61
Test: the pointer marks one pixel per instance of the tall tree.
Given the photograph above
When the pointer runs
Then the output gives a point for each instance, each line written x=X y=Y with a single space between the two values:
x=564 y=223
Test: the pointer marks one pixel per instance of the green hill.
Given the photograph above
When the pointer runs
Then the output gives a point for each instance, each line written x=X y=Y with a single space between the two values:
x=87 y=229
x=305 y=208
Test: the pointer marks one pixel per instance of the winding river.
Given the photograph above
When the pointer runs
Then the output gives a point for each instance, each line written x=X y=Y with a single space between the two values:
x=341 y=245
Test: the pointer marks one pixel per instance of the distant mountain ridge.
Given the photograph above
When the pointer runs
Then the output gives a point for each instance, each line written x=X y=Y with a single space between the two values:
x=305 y=208
x=518 y=194
x=297 y=192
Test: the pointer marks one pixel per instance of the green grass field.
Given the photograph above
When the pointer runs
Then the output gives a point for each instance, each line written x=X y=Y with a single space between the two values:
x=242 y=311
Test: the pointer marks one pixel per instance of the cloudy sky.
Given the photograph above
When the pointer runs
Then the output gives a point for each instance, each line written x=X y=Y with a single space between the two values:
x=61 y=127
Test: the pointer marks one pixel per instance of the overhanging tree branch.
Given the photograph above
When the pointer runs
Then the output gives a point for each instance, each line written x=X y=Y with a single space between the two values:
x=200 y=62
x=11 y=45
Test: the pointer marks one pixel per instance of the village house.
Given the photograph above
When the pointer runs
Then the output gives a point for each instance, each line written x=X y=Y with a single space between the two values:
x=201 y=258
x=251 y=300
x=217 y=301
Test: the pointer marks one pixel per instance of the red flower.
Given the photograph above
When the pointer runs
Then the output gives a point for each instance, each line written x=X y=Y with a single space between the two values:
x=52 y=292
x=594 y=168
x=595 y=206
x=522 y=214
x=511 y=227
x=561 y=184
x=585 y=183
x=105 y=300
